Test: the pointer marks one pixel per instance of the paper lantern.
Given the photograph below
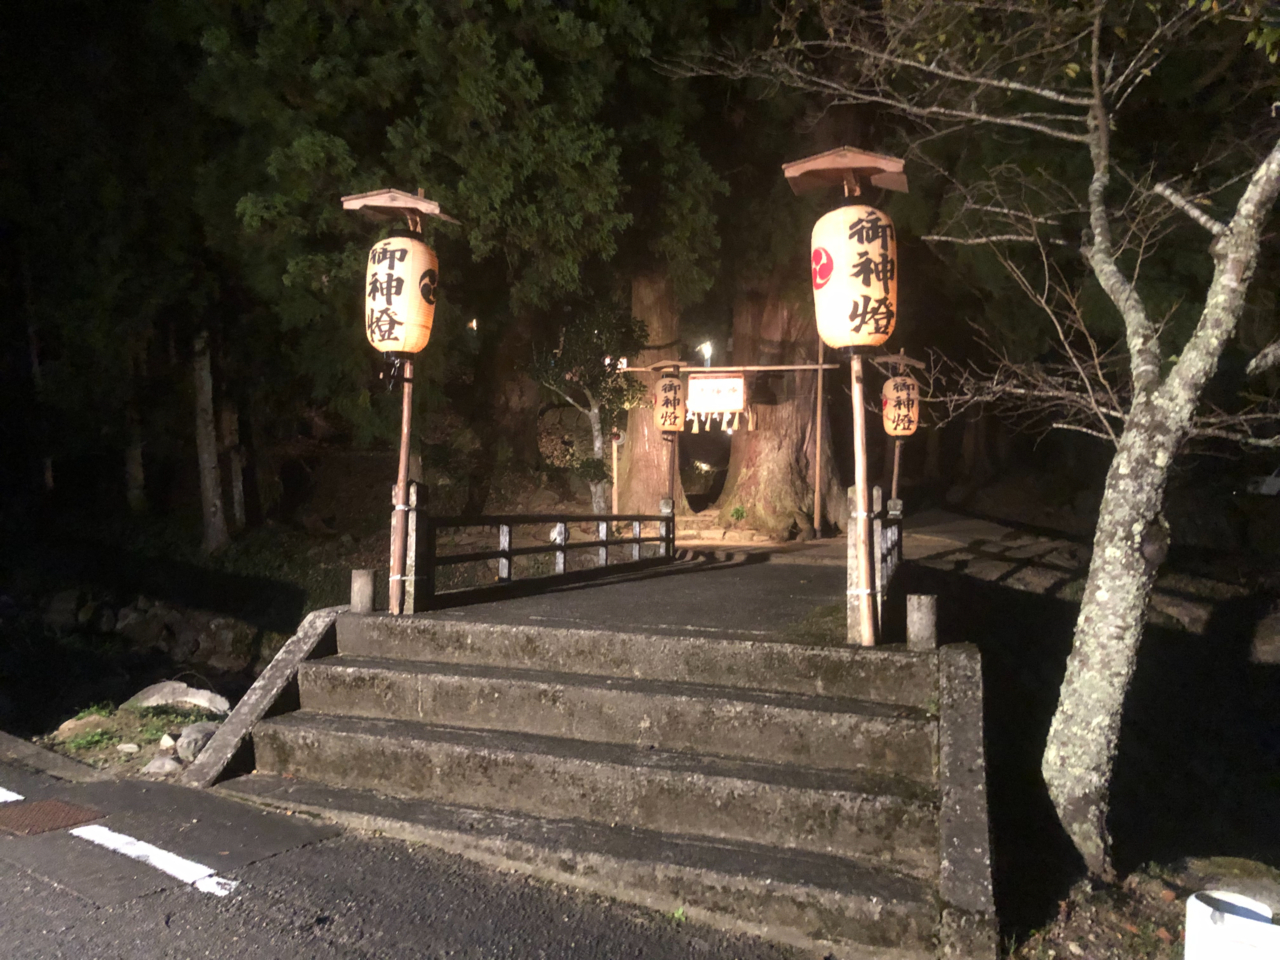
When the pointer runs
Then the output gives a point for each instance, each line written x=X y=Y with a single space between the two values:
x=900 y=405
x=668 y=404
x=855 y=277
x=716 y=392
x=400 y=293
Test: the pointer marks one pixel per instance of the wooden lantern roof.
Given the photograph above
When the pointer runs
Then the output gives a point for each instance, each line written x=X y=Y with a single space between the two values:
x=384 y=205
x=843 y=165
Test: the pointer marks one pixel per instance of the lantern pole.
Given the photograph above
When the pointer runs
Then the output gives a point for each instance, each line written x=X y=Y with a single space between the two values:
x=897 y=460
x=859 y=599
x=817 y=458
x=400 y=518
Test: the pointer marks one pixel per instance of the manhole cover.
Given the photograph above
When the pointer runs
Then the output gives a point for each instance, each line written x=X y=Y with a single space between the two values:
x=41 y=816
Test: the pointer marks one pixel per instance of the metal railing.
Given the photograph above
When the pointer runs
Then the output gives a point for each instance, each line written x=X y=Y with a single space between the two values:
x=423 y=558
x=887 y=544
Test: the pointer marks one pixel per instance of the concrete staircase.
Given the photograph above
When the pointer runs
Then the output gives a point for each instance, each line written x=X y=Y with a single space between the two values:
x=829 y=798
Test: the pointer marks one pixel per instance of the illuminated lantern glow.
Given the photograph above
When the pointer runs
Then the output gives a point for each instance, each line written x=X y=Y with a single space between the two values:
x=400 y=293
x=668 y=404
x=900 y=406
x=855 y=277
x=716 y=393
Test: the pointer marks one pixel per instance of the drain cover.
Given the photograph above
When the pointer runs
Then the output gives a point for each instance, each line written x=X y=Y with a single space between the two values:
x=41 y=816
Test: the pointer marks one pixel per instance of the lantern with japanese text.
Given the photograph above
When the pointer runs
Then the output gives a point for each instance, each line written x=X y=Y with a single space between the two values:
x=400 y=293
x=900 y=405
x=668 y=404
x=855 y=276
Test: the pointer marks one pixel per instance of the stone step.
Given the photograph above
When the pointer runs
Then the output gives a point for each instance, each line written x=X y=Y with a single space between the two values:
x=889 y=820
x=856 y=673
x=809 y=730
x=822 y=904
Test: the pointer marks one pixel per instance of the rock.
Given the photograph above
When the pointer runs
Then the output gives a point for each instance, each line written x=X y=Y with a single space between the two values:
x=1266 y=640
x=193 y=739
x=162 y=767
x=70 y=728
x=169 y=693
x=61 y=612
x=128 y=747
x=144 y=631
x=167 y=742
x=88 y=614
x=106 y=620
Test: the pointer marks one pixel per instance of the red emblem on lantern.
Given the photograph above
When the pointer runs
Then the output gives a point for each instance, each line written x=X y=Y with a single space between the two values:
x=823 y=266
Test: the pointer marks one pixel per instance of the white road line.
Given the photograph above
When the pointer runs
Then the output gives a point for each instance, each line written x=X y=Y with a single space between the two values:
x=8 y=796
x=188 y=871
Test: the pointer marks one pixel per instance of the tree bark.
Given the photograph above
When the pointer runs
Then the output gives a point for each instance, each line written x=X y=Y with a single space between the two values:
x=770 y=468
x=642 y=469
x=599 y=488
x=135 y=488
x=234 y=461
x=212 y=511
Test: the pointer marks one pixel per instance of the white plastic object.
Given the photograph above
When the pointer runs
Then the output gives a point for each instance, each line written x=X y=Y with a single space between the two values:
x=1230 y=926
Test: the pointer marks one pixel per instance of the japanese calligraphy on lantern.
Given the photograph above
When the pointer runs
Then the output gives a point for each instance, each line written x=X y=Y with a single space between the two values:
x=855 y=277
x=900 y=405
x=400 y=293
x=717 y=393
x=668 y=403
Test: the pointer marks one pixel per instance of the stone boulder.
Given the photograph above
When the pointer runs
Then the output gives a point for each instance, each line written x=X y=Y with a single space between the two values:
x=193 y=739
x=174 y=693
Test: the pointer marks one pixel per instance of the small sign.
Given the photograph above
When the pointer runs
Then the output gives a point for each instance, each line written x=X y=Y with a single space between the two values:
x=717 y=393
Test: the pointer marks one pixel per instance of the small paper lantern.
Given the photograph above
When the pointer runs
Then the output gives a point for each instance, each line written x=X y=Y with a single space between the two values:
x=855 y=277
x=900 y=406
x=668 y=404
x=400 y=293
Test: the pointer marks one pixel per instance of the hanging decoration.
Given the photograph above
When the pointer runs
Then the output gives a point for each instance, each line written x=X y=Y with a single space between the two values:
x=855 y=276
x=400 y=293
x=900 y=406
x=717 y=392
x=668 y=404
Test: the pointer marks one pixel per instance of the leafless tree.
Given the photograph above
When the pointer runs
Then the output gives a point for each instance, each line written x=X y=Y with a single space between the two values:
x=1037 y=76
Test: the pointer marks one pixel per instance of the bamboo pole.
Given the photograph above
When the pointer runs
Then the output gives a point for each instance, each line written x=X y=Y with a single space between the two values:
x=897 y=462
x=861 y=620
x=399 y=517
x=614 y=476
x=817 y=459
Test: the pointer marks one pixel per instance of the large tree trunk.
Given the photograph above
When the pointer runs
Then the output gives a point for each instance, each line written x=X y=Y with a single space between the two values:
x=135 y=486
x=234 y=461
x=1128 y=547
x=642 y=467
x=770 y=472
x=215 y=521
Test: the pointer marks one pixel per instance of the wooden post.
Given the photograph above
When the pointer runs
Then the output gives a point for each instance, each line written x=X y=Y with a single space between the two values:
x=362 y=591
x=922 y=622
x=817 y=457
x=504 y=545
x=637 y=533
x=861 y=619
x=410 y=605
x=897 y=462
x=560 y=536
x=877 y=550
x=399 y=516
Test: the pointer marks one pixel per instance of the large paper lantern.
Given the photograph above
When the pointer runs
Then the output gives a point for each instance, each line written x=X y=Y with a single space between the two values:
x=900 y=405
x=668 y=403
x=855 y=277
x=400 y=293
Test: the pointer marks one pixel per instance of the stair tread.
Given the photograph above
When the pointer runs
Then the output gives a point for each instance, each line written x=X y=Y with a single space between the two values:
x=734 y=858
x=624 y=755
x=817 y=703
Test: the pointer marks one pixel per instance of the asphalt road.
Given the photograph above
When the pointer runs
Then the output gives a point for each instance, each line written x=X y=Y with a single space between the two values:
x=301 y=890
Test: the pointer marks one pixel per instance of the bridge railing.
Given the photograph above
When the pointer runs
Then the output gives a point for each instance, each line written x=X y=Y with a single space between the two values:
x=887 y=544
x=424 y=559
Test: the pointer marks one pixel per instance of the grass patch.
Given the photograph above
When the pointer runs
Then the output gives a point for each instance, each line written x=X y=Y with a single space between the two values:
x=96 y=710
x=92 y=740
